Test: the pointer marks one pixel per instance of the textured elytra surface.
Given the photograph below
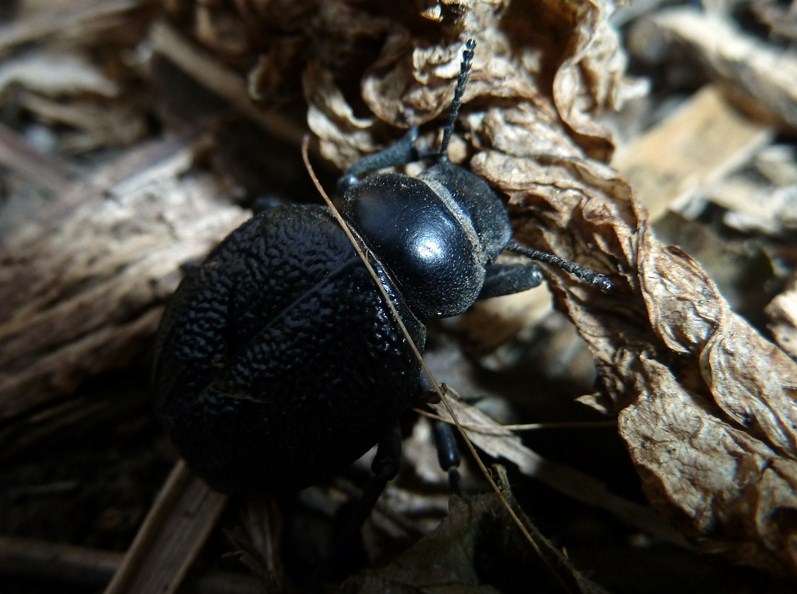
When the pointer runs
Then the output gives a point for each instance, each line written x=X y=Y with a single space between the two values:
x=278 y=361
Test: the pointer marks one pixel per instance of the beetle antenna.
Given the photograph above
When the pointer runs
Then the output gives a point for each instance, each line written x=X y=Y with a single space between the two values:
x=453 y=114
x=603 y=282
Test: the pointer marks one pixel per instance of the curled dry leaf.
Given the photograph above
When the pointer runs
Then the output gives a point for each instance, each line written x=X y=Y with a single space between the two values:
x=332 y=118
x=706 y=405
x=714 y=433
x=592 y=78
x=519 y=49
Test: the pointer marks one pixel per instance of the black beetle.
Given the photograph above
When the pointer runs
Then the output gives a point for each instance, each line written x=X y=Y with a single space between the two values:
x=278 y=361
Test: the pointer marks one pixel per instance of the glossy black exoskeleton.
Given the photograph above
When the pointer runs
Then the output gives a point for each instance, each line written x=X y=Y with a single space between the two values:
x=278 y=361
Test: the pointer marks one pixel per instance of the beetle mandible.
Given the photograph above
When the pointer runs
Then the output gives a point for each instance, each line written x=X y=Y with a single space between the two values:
x=278 y=361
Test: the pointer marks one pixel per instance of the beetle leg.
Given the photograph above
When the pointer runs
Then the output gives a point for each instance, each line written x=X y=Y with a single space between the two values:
x=448 y=454
x=401 y=152
x=507 y=279
x=444 y=436
x=384 y=467
x=426 y=392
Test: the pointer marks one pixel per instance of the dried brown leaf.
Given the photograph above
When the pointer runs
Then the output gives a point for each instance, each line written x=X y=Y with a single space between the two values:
x=411 y=80
x=472 y=552
x=593 y=77
x=712 y=427
x=724 y=488
x=752 y=381
x=330 y=117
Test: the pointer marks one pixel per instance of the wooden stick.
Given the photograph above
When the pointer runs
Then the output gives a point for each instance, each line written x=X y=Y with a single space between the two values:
x=173 y=533
x=65 y=563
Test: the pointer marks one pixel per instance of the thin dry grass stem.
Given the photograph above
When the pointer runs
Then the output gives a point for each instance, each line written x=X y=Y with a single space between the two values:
x=501 y=428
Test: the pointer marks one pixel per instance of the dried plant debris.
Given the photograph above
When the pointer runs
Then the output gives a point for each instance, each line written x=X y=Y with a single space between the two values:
x=705 y=402
x=525 y=54
x=779 y=17
x=81 y=278
x=671 y=169
x=757 y=77
x=733 y=265
x=762 y=197
x=272 y=35
x=68 y=90
x=714 y=432
x=91 y=236
x=475 y=550
x=77 y=86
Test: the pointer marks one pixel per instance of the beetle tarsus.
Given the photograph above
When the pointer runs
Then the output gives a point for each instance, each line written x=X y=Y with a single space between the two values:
x=448 y=454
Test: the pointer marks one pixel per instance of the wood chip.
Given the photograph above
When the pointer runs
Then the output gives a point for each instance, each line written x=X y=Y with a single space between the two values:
x=699 y=144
